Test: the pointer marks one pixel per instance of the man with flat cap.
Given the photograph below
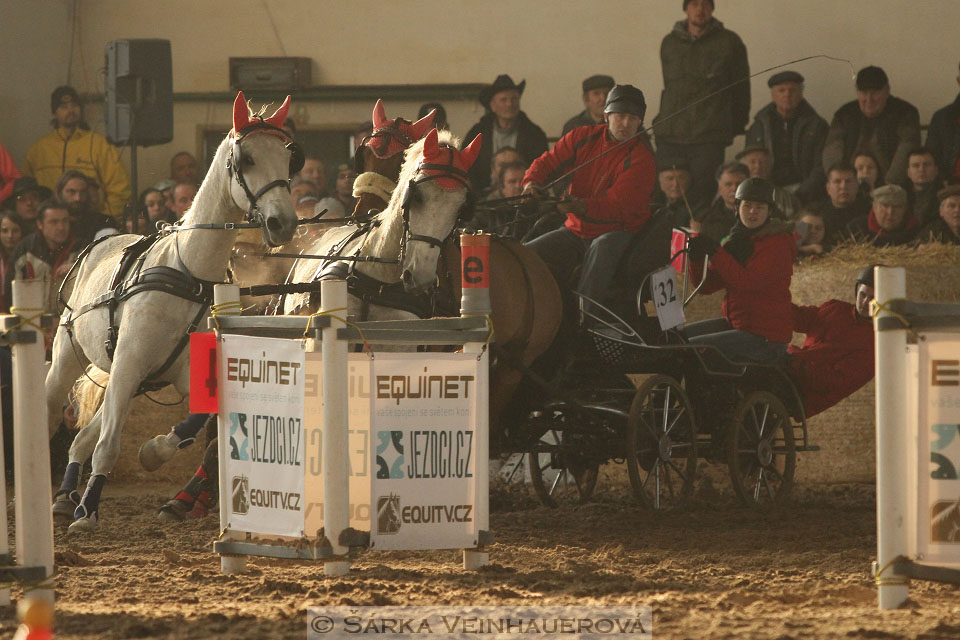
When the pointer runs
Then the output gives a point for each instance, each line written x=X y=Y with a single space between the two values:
x=890 y=222
x=71 y=145
x=793 y=134
x=706 y=97
x=877 y=123
x=608 y=199
x=505 y=125
x=26 y=197
x=595 y=90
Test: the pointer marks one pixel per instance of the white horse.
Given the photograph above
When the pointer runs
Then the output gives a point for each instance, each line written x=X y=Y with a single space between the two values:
x=405 y=238
x=249 y=173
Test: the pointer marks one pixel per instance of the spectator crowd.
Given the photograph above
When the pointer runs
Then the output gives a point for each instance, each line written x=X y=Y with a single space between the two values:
x=864 y=176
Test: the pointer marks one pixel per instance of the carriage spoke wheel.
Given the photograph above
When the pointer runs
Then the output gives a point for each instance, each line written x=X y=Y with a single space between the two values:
x=560 y=477
x=661 y=444
x=761 y=450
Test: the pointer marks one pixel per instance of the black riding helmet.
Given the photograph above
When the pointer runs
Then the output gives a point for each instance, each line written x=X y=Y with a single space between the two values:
x=756 y=190
x=626 y=98
x=865 y=277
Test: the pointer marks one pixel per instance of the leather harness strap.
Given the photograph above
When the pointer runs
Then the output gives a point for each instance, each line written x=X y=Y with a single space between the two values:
x=159 y=278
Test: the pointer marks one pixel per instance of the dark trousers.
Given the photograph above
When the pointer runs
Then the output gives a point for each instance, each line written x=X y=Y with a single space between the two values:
x=739 y=346
x=703 y=159
x=562 y=250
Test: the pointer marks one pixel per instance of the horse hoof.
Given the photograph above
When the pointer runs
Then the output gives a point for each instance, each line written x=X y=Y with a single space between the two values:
x=155 y=452
x=84 y=525
x=64 y=504
x=174 y=511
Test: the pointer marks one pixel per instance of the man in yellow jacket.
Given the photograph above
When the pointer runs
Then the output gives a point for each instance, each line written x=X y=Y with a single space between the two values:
x=72 y=146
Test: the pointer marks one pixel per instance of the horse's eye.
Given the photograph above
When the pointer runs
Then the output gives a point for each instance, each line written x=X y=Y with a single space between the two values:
x=247 y=161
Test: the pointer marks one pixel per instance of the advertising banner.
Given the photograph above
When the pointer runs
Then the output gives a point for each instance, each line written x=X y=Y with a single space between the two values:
x=424 y=449
x=358 y=388
x=938 y=459
x=261 y=431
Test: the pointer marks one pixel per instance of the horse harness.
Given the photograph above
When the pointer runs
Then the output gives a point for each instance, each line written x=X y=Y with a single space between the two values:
x=235 y=166
x=371 y=291
x=130 y=278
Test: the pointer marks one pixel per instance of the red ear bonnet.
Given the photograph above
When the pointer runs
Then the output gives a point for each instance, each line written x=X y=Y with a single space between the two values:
x=469 y=155
x=379 y=115
x=431 y=147
x=421 y=126
x=280 y=115
x=241 y=115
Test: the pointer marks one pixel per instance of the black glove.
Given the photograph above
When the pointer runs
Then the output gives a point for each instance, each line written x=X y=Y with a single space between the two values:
x=700 y=246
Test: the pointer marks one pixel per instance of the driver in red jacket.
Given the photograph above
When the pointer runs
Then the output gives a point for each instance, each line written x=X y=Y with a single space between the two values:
x=836 y=359
x=608 y=199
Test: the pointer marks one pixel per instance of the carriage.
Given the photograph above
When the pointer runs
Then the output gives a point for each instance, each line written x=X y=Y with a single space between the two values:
x=630 y=390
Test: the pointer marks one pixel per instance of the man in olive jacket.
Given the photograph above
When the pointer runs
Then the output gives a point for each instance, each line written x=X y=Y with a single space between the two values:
x=700 y=57
x=876 y=122
x=793 y=133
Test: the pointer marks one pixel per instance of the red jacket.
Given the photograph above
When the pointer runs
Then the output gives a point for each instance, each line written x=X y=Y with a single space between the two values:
x=8 y=174
x=836 y=359
x=758 y=293
x=616 y=188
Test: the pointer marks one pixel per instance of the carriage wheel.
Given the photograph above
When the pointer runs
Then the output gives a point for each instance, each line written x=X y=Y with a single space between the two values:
x=560 y=477
x=661 y=444
x=761 y=451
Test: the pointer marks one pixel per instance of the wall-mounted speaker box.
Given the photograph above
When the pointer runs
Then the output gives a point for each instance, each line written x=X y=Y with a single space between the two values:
x=139 y=104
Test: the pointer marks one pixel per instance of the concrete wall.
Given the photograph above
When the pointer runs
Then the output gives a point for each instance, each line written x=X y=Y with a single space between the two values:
x=551 y=43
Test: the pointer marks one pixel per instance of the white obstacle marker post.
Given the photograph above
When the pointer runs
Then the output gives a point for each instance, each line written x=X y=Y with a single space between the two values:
x=893 y=513
x=229 y=564
x=31 y=443
x=475 y=301
x=336 y=470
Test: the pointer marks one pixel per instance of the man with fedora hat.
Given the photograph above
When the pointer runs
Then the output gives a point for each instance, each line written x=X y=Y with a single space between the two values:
x=26 y=197
x=609 y=198
x=505 y=125
x=875 y=122
x=595 y=90
x=71 y=145
x=793 y=134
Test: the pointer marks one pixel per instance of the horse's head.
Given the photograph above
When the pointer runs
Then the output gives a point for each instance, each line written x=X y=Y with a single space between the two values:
x=435 y=197
x=262 y=159
x=380 y=156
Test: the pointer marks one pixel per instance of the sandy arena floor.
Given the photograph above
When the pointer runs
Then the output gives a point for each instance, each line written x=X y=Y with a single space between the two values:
x=712 y=571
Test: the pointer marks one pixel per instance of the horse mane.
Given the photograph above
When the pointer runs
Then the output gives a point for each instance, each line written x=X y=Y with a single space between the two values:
x=215 y=181
x=411 y=164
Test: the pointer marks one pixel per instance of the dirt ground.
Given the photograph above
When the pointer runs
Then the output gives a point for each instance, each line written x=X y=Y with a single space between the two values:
x=714 y=570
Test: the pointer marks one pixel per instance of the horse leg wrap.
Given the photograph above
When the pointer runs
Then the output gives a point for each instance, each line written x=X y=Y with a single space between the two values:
x=192 y=489
x=187 y=429
x=71 y=477
x=89 y=506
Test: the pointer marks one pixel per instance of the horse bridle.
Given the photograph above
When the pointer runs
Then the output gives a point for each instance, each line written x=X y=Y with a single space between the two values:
x=235 y=167
x=442 y=171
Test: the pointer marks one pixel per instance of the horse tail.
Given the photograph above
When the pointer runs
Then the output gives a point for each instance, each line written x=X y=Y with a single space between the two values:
x=88 y=394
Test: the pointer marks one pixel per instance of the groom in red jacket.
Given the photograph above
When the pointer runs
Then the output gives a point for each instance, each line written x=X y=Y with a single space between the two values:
x=836 y=359
x=608 y=199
